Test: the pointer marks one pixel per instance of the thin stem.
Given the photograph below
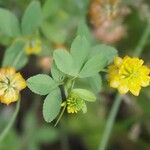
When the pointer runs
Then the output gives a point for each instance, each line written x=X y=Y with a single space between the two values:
x=110 y=122
x=12 y=120
x=10 y=123
x=69 y=86
x=115 y=107
x=143 y=40
x=64 y=138
x=61 y=114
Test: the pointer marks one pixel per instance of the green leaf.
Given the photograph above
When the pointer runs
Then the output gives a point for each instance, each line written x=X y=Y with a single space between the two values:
x=15 y=56
x=100 y=56
x=52 y=105
x=84 y=94
x=64 y=62
x=56 y=73
x=93 y=83
x=54 y=32
x=83 y=30
x=41 y=84
x=50 y=8
x=80 y=49
x=93 y=66
x=32 y=18
x=108 y=52
x=9 y=24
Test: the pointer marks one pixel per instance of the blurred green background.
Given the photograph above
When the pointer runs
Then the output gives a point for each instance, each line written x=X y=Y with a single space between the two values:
x=82 y=131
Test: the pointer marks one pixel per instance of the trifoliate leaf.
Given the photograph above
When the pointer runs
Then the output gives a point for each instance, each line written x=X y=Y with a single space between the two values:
x=41 y=84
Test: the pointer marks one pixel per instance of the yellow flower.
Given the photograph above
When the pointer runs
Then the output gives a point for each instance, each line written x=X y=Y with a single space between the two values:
x=33 y=46
x=128 y=74
x=74 y=104
x=11 y=83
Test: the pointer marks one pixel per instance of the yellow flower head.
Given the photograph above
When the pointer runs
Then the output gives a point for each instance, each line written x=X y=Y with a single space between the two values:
x=33 y=46
x=11 y=83
x=128 y=74
x=74 y=104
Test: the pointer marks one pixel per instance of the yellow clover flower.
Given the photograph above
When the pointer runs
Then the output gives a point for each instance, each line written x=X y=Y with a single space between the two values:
x=11 y=83
x=74 y=104
x=128 y=74
x=33 y=46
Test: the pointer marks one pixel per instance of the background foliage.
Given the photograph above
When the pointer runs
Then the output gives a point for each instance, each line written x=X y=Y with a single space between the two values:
x=55 y=24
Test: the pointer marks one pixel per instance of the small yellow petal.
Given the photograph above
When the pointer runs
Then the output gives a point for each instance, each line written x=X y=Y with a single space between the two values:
x=123 y=89
x=19 y=81
x=145 y=81
x=7 y=71
x=34 y=46
x=9 y=97
x=114 y=83
x=118 y=61
x=10 y=70
x=145 y=70
x=135 y=89
x=2 y=90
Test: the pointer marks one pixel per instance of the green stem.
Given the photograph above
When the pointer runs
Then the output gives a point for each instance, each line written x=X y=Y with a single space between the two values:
x=143 y=40
x=10 y=123
x=110 y=122
x=64 y=139
x=115 y=107
x=61 y=114
x=12 y=120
